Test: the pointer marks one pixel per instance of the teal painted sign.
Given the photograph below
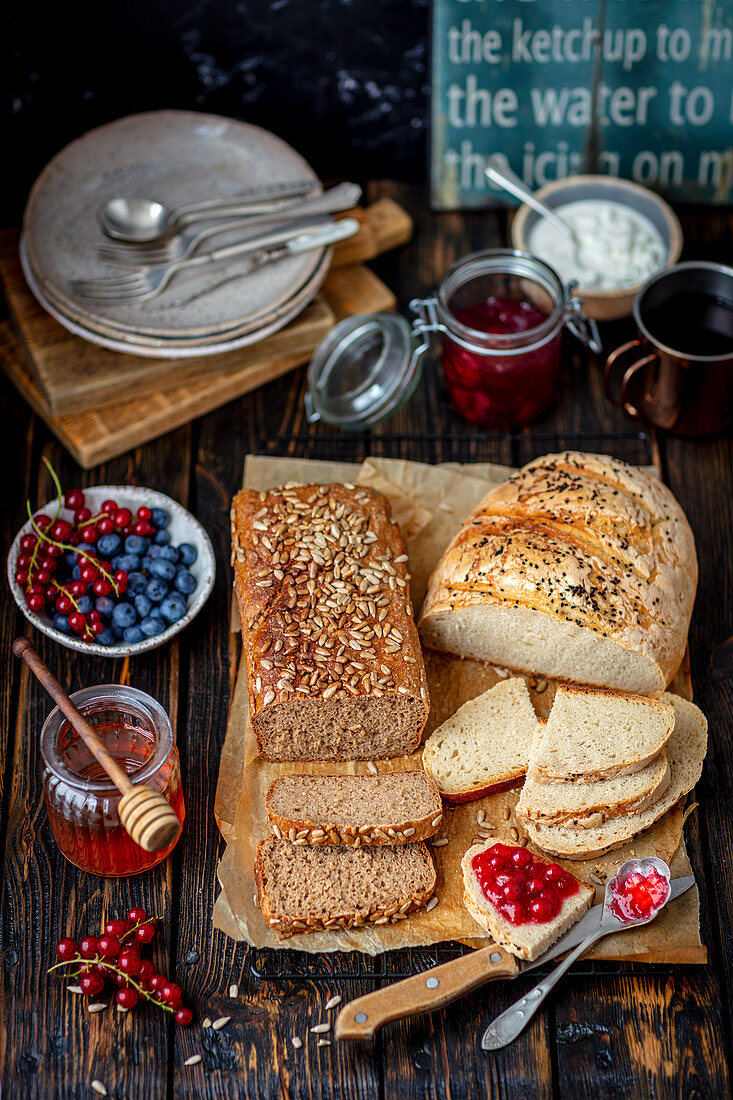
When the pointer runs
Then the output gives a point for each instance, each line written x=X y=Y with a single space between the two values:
x=636 y=88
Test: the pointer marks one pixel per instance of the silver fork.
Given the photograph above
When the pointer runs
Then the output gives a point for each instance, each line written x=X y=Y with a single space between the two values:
x=145 y=283
x=181 y=245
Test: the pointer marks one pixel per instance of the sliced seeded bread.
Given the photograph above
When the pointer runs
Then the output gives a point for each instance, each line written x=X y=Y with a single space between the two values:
x=308 y=889
x=593 y=734
x=583 y=805
x=485 y=746
x=394 y=808
x=526 y=941
x=686 y=751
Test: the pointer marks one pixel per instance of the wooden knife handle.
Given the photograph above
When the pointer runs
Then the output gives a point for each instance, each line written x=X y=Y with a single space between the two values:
x=362 y=1018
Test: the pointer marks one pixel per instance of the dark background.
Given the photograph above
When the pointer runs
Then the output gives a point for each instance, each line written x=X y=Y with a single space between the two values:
x=345 y=82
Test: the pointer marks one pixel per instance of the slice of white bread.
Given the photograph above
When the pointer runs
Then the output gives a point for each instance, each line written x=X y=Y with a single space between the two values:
x=485 y=746
x=583 y=805
x=594 y=734
x=527 y=941
x=686 y=751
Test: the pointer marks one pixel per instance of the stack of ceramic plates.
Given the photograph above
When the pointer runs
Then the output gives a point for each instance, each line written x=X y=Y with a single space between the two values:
x=174 y=157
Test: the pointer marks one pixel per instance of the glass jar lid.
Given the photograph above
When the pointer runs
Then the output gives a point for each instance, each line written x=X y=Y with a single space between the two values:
x=366 y=367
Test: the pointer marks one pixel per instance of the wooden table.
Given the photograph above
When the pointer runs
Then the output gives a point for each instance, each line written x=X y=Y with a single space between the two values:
x=632 y=1033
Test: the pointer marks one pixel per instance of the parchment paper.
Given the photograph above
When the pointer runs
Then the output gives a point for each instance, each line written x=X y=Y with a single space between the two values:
x=430 y=503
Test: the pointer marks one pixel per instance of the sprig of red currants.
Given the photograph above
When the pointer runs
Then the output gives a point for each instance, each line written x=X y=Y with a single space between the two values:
x=115 y=956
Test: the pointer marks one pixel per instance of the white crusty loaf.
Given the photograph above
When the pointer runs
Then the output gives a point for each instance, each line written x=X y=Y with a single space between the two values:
x=578 y=567
x=594 y=734
x=526 y=941
x=485 y=746
x=686 y=751
x=585 y=805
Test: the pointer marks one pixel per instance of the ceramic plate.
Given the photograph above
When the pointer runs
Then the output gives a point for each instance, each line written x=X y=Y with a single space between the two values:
x=175 y=157
x=183 y=528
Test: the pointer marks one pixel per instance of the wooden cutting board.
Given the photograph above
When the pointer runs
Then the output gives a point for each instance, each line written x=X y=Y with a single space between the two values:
x=100 y=434
x=74 y=376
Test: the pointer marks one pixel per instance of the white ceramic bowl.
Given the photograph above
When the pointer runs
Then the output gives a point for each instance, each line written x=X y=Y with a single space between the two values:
x=183 y=527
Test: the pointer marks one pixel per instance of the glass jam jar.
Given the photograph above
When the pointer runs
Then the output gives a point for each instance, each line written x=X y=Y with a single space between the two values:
x=81 y=800
x=500 y=315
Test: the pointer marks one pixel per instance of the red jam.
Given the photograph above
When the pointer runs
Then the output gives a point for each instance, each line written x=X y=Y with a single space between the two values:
x=524 y=889
x=501 y=391
x=639 y=895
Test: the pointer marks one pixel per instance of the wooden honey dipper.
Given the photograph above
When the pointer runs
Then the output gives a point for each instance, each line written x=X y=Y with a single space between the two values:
x=145 y=812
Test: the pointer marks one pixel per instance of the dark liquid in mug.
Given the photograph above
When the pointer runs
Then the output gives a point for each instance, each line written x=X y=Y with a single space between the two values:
x=693 y=324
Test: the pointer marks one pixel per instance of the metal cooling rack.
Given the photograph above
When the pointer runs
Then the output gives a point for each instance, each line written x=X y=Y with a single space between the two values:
x=513 y=448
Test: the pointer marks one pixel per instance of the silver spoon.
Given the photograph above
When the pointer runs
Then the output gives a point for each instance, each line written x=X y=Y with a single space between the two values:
x=511 y=1023
x=132 y=219
x=497 y=171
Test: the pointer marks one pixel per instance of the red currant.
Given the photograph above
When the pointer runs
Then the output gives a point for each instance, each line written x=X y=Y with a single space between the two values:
x=89 y=573
x=146 y=970
x=142 y=527
x=67 y=949
x=49 y=564
x=102 y=587
x=42 y=521
x=116 y=927
x=43 y=576
x=145 y=933
x=74 y=499
x=35 y=601
x=78 y=588
x=126 y=998
x=157 y=982
x=171 y=994
x=78 y=622
x=61 y=530
x=88 y=947
x=28 y=542
x=23 y=561
x=105 y=525
x=184 y=1016
x=82 y=516
x=96 y=628
x=129 y=962
x=91 y=984
x=144 y=512
x=21 y=577
x=108 y=947
x=110 y=507
x=54 y=551
x=120 y=980
x=137 y=914
x=75 y=538
x=123 y=517
x=89 y=534
x=120 y=581
x=51 y=593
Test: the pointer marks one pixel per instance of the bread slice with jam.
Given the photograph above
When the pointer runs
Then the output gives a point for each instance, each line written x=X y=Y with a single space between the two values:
x=524 y=901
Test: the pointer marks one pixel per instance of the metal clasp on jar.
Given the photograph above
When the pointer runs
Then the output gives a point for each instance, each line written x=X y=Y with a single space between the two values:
x=583 y=328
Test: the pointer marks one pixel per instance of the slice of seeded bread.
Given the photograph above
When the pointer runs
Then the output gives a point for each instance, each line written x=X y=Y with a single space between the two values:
x=394 y=808
x=686 y=751
x=485 y=746
x=526 y=941
x=307 y=889
x=583 y=805
x=593 y=734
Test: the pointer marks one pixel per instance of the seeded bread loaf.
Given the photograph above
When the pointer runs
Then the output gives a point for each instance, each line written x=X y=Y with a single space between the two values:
x=686 y=751
x=307 y=889
x=592 y=735
x=485 y=746
x=578 y=567
x=334 y=664
x=354 y=810
x=583 y=805
x=526 y=941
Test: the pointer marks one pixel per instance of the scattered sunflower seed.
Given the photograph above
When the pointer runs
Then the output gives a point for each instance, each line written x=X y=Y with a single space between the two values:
x=221 y=1022
x=481 y=817
x=335 y=1000
x=206 y=1021
x=121 y=1008
x=507 y=813
x=441 y=840
x=324 y=1042
x=233 y=991
x=297 y=1042
x=320 y=1028
x=514 y=833
x=193 y=1060
x=432 y=903
x=99 y=1087
x=98 y=1007
x=74 y=989
x=372 y=767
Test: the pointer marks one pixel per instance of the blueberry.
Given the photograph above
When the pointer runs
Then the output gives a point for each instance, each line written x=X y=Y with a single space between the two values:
x=152 y=626
x=105 y=606
x=155 y=551
x=136 y=544
x=76 y=573
x=124 y=615
x=106 y=637
x=128 y=562
x=187 y=553
x=146 y=563
x=133 y=634
x=160 y=517
x=170 y=553
x=70 y=558
x=109 y=545
x=61 y=623
x=173 y=607
x=84 y=547
x=117 y=632
x=142 y=605
x=156 y=589
x=185 y=582
x=161 y=538
x=136 y=583
x=84 y=604
x=166 y=570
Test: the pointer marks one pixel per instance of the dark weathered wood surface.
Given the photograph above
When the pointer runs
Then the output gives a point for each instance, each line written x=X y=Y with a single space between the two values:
x=633 y=1033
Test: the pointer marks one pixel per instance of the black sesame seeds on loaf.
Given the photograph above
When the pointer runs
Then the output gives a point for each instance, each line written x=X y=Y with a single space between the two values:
x=334 y=664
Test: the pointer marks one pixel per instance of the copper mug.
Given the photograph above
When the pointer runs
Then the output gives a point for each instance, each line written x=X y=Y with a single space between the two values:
x=661 y=380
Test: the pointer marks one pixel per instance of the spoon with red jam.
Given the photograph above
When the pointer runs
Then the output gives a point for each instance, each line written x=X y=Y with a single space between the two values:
x=634 y=896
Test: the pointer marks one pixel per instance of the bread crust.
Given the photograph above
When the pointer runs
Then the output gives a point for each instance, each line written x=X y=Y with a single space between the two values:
x=321 y=580
x=583 y=540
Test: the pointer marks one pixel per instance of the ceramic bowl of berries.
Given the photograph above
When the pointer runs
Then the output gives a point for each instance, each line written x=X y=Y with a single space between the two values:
x=112 y=570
